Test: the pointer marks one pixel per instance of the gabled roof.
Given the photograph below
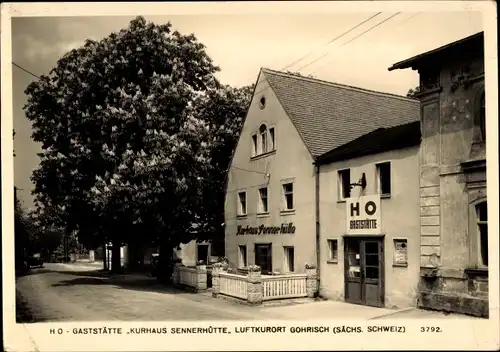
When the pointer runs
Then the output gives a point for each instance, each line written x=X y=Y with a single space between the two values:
x=378 y=141
x=473 y=43
x=328 y=115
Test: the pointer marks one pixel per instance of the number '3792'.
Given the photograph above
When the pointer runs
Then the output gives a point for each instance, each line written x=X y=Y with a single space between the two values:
x=430 y=329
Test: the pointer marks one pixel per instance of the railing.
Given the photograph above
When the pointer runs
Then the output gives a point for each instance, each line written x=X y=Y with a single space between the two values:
x=233 y=285
x=187 y=276
x=284 y=286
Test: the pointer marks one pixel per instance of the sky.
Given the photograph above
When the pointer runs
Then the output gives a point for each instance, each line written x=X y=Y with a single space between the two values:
x=240 y=45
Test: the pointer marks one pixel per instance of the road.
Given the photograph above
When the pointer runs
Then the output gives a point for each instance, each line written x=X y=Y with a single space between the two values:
x=64 y=292
x=61 y=292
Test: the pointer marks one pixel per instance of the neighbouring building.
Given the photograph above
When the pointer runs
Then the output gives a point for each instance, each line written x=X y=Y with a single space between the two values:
x=370 y=218
x=453 y=205
x=189 y=253
x=271 y=212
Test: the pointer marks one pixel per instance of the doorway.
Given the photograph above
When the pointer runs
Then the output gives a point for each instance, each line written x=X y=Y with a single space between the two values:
x=364 y=271
x=264 y=258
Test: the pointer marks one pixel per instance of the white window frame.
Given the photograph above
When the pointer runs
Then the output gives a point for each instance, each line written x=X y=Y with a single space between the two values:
x=255 y=145
x=242 y=258
x=340 y=184
x=284 y=196
x=379 y=179
x=331 y=257
x=263 y=141
x=272 y=138
x=475 y=260
x=263 y=138
x=286 y=259
x=240 y=210
x=480 y=262
x=261 y=203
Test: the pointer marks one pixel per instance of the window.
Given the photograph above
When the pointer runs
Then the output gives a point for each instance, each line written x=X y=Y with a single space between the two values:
x=242 y=203
x=242 y=262
x=264 y=258
x=263 y=139
x=288 y=196
x=271 y=136
x=202 y=253
x=384 y=179
x=482 y=225
x=263 y=206
x=289 y=259
x=344 y=177
x=333 y=251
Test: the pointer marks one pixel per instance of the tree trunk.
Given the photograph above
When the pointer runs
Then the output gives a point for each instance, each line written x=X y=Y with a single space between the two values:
x=116 y=265
x=165 y=268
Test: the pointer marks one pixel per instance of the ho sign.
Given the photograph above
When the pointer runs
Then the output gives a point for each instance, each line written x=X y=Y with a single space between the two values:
x=363 y=215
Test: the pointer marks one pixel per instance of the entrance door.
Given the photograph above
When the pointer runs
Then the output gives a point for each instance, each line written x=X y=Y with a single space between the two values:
x=364 y=271
x=264 y=257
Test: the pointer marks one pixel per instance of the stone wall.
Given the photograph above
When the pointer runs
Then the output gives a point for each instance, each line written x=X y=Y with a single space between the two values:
x=449 y=277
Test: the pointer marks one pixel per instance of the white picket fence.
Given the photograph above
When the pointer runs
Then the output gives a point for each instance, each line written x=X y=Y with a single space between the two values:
x=187 y=276
x=233 y=285
x=284 y=286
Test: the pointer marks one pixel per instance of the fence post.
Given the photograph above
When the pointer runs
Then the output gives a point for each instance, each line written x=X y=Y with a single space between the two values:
x=254 y=286
x=216 y=270
x=311 y=282
x=201 y=277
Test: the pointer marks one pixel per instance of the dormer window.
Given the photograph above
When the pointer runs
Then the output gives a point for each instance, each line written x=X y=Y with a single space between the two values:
x=263 y=141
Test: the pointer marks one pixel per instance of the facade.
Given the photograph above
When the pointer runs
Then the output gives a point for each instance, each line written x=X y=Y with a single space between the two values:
x=453 y=205
x=370 y=232
x=271 y=212
x=189 y=253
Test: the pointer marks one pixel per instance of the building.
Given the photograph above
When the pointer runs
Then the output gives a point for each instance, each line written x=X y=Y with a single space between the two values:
x=453 y=205
x=271 y=212
x=370 y=218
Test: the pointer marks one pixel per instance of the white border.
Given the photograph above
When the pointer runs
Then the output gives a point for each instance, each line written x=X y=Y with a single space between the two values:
x=460 y=335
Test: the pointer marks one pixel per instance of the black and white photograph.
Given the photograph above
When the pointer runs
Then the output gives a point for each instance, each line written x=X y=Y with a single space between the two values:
x=240 y=172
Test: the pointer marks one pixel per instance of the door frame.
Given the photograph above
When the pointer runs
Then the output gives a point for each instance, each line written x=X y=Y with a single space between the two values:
x=381 y=262
x=268 y=244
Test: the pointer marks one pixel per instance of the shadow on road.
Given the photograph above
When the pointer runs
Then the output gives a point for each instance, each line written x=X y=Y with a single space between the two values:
x=128 y=282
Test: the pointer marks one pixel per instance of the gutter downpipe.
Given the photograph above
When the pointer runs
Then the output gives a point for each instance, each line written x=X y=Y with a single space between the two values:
x=318 y=260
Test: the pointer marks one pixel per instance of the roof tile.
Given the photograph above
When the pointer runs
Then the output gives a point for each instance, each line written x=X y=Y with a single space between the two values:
x=328 y=115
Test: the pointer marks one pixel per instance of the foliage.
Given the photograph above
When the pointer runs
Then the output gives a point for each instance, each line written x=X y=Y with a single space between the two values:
x=413 y=92
x=136 y=133
x=299 y=74
x=224 y=110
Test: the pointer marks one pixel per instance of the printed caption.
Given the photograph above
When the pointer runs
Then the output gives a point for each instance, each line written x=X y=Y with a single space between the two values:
x=214 y=329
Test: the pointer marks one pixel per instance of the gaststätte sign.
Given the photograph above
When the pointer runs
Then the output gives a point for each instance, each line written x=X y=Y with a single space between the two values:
x=283 y=229
x=363 y=215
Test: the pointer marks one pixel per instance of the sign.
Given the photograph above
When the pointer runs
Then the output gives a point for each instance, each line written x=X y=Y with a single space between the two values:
x=283 y=229
x=363 y=215
x=400 y=252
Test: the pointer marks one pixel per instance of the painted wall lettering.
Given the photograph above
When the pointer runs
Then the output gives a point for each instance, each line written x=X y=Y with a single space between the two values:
x=363 y=215
x=283 y=229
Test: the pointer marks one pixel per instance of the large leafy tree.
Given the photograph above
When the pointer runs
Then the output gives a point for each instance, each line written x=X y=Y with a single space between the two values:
x=124 y=152
x=224 y=110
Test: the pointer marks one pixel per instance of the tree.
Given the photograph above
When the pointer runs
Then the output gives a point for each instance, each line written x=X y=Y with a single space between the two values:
x=224 y=109
x=413 y=92
x=123 y=153
x=300 y=74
